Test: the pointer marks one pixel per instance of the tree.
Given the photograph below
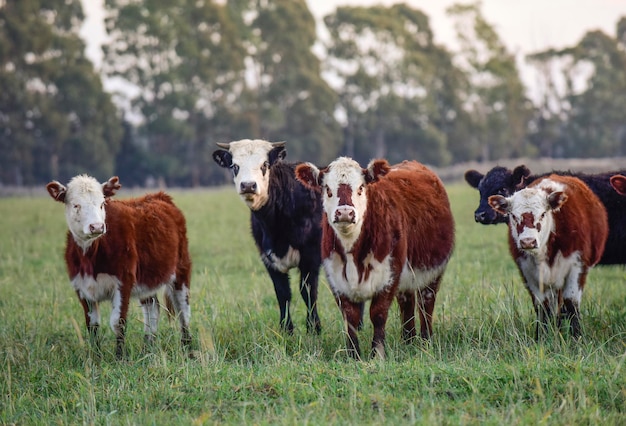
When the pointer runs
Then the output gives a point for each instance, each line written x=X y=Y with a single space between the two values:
x=56 y=119
x=398 y=92
x=286 y=97
x=592 y=101
x=496 y=97
x=185 y=58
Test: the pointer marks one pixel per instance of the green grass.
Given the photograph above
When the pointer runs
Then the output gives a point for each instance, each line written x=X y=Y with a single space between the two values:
x=482 y=366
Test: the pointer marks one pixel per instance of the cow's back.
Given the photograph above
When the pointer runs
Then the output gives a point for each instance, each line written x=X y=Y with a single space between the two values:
x=414 y=195
x=581 y=223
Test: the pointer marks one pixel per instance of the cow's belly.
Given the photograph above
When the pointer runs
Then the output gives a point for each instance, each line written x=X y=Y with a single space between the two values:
x=417 y=279
x=104 y=287
x=541 y=277
x=283 y=264
x=345 y=279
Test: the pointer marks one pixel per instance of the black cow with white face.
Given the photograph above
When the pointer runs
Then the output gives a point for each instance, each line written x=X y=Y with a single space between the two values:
x=286 y=219
x=503 y=181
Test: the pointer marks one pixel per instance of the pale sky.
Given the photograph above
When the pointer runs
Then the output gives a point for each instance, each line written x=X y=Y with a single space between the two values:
x=525 y=26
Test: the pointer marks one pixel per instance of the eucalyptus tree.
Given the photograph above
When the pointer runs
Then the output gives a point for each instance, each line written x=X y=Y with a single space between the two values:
x=56 y=120
x=399 y=94
x=183 y=63
x=592 y=101
x=286 y=97
x=496 y=96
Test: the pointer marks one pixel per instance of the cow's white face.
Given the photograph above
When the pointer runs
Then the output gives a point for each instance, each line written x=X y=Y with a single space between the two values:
x=84 y=200
x=344 y=195
x=530 y=213
x=250 y=162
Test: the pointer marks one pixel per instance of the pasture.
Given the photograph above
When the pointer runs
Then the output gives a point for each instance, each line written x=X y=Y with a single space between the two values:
x=482 y=366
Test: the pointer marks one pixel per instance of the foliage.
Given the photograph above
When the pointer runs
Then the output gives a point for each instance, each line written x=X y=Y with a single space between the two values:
x=482 y=367
x=55 y=117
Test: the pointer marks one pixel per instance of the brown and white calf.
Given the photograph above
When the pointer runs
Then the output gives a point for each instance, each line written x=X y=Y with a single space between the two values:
x=558 y=229
x=386 y=232
x=118 y=249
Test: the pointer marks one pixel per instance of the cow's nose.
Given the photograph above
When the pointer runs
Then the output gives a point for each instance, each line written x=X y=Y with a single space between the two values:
x=96 y=228
x=247 y=188
x=528 y=243
x=479 y=217
x=344 y=214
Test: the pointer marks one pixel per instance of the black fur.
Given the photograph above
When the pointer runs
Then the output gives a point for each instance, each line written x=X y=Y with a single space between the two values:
x=292 y=217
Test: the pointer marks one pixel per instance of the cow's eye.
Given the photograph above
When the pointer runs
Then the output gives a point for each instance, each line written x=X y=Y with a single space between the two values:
x=235 y=169
x=329 y=193
x=264 y=167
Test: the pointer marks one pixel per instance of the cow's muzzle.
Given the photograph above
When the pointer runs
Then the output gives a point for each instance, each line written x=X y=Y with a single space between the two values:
x=528 y=243
x=247 y=188
x=344 y=214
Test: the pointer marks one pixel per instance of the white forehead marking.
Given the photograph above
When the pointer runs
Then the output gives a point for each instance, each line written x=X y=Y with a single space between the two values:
x=534 y=199
x=250 y=148
x=82 y=187
x=344 y=170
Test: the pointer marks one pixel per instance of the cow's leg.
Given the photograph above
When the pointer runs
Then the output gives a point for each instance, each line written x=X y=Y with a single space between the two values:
x=308 y=290
x=177 y=297
x=572 y=295
x=150 y=308
x=406 y=302
x=545 y=307
x=379 y=310
x=92 y=318
x=352 y=313
x=283 y=295
x=121 y=299
x=426 y=298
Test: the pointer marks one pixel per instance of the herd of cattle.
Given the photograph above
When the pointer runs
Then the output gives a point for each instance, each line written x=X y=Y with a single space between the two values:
x=380 y=233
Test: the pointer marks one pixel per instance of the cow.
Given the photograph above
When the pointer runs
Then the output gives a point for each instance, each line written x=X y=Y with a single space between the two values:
x=118 y=249
x=387 y=232
x=502 y=181
x=285 y=219
x=557 y=231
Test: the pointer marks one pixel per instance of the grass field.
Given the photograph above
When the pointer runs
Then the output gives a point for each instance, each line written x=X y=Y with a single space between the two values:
x=482 y=366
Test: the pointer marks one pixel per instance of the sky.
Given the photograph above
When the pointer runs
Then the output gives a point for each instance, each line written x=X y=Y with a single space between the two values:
x=525 y=26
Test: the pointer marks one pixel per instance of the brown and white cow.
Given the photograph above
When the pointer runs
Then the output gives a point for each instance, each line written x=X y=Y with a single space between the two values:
x=118 y=249
x=387 y=232
x=558 y=229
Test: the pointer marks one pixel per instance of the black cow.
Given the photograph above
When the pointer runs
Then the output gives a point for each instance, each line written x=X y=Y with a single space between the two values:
x=286 y=219
x=503 y=181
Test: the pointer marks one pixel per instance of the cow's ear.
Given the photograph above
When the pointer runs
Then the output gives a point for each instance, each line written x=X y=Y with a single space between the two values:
x=618 y=182
x=556 y=199
x=309 y=175
x=520 y=175
x=375 y=170
x=278 y=152
x=499 y=204
x=473 y=177
x=57 y=191
x=223 y=158
x=111 y=186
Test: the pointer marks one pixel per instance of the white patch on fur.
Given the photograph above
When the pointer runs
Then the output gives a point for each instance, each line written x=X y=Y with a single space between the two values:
x=283 y=264
x=84 y=207
x=114 y=320
x=250 y=156
x=345 y=171
x=417 y=279
x=101 y=288
x=564 y=274
x=150 y=317
x=379 y=277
